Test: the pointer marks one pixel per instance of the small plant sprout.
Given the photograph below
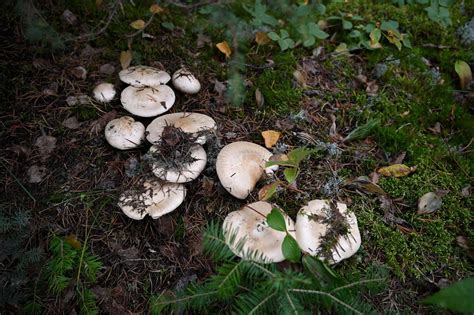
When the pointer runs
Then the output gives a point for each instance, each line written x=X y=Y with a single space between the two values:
x=143 y=76
x=184 y=81
x=104 y=92
x=240 y=165
x=148 y=101
x=124 y=133
x=326 y=229
x=249 y=233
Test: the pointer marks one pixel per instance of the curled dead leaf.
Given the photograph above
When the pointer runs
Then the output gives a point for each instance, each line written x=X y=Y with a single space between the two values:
x=126 y=58
x=271 y=137
x=363 y=184
x=224 y=48
x=396 y=170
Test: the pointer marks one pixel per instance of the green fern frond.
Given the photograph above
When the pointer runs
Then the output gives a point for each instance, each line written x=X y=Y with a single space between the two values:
x=227 y=279
x=214 y=245
x=290 y=304
x=87 y=301
x=92 y=265
x=194 y=297
x=58 y=283
x=261 y=300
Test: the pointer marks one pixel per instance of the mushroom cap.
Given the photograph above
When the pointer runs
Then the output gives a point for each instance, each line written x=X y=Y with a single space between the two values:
x=187 y=122
x=124 y=133
x=187 y=173
x=310 y=230
x=147 y=101
x=104 y=92
x=184 y=81
x=240 y=165
x=248 y=235
x=140 y=76
x=154 y=198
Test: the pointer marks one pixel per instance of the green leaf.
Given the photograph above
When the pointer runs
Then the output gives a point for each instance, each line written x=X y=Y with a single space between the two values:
x=355 y=34
x=375 y=35
x=283 y=44
x=299 y=154
x=347 y=25
x=290 y=174
x=316 y=31
x=309 y=42
x=319 y=270
x=464 y=72
x=168 y=25
x=406 y=41
x=363 y=131
x=290 y=249
x=273 y=36
x=276 y=220
x=456 y=297
x=284 y=34
x=290 y=42
x=389 y=25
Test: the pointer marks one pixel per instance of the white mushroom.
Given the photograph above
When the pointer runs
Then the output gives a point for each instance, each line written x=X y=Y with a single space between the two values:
x=184 y=81
x=147 y=101
x=188 y=122
x=316 y=219
x=240 y=165
x=104 y=92
x=153 y=198
x=248 y=235
x=124 y=133
x=186 y=172
x=144 y=76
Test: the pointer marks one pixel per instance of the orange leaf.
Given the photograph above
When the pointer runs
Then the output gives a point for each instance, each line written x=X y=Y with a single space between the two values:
x=138 y=24
x=71 y=239
x=396 y=170
x=126 y=58
x=271 y=137
x=224 y=48
x=156 y=9
x=261 y=38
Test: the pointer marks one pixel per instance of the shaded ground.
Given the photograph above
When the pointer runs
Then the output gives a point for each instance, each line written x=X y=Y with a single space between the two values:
x=424 y=123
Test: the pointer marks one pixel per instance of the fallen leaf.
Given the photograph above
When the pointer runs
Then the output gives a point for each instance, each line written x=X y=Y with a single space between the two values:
x=156 y=9
x=207 y=186
x=98 y=125
x=224 y=48
x=436 y=129
x=396 y=170
x=399 y=159
x=259 y=99
x=363 y=184
x=464 y=72
x=79 y=72
x=69 y=17
x=300 y=78
x=267 y=191
x=372 y=88
x=36 y=174
x=466 y=191
x=429 y=202
x=126 y=58
x=71 y=123
x=107 y=69
x=138 y=24
x=45 y=145
x=342 y=49
x=72 y=240
x=464 y=242
x=261 y=38
x=271 y=137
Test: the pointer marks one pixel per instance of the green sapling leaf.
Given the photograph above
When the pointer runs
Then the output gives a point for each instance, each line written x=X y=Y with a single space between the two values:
x=276 y=220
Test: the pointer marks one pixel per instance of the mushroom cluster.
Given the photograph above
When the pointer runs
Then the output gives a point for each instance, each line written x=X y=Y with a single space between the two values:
x=176 y=155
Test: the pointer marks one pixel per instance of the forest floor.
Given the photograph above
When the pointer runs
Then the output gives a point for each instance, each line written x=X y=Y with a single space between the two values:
x=61 y=180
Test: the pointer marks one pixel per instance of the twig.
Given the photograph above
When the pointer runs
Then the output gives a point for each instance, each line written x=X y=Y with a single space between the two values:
x=18 y=182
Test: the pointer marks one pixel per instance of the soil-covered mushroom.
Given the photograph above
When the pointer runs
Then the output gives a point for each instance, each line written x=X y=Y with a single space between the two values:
x=193 y=123
x=240 y=165
x=184 y=81
x=141 y=76
x=124 y=133
x=248 y=235
x=104 y=92
x=182 y=171
x=327 y=230
x=152 y=198
x=148 y=101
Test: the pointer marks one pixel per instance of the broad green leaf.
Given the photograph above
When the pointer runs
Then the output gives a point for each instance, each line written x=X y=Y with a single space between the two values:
x=375 y=36
x=290 y=174
x=284 y=34
x=369 y=27
x=464 y=72
x=299 y=154
x=357 y=18
x=290 y=249
x=457 y=297
x=355 y=34
x=281 y=163
x=319 y=270
x=273 y=36
x=389 y=25
x=276 y=220
x=290 y=42
x=283 y=44
x=168 y=25
x=316 y=31
x=309 y=42
x=406 y=41
x=347 y=25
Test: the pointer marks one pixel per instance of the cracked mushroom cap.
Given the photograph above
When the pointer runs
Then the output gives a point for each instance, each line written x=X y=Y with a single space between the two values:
x=140 y=76
x=240 y=165
x=312 y=225
x=147 y=101
x=124 y=133
x=104 y=92
x=187 y=122
x=248 y=235
x=153 y=198
x=184 y=81
x=188 y=172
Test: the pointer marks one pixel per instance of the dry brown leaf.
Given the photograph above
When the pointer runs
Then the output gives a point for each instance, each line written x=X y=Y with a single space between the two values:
x=363 y=184
x=71 y=123
x=262 y=38
x=224 y=48
x=72 y=240
x=464 y=242
x=267 y=191
x=126 y=58
x=271 y=137
x=45 y=145
x=259 y=99
x=138 y=24
x=156 y=9
x=300 y=78
x=396 y=170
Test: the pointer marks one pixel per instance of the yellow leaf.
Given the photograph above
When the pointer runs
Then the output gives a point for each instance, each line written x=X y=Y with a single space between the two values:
x=125 y=58
x=267 y=191
x=138 y=24
x=271 y=137
x=224 y=48
x=156 y=9
x=72 y=240
x=262 y=38
x=396 y=170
